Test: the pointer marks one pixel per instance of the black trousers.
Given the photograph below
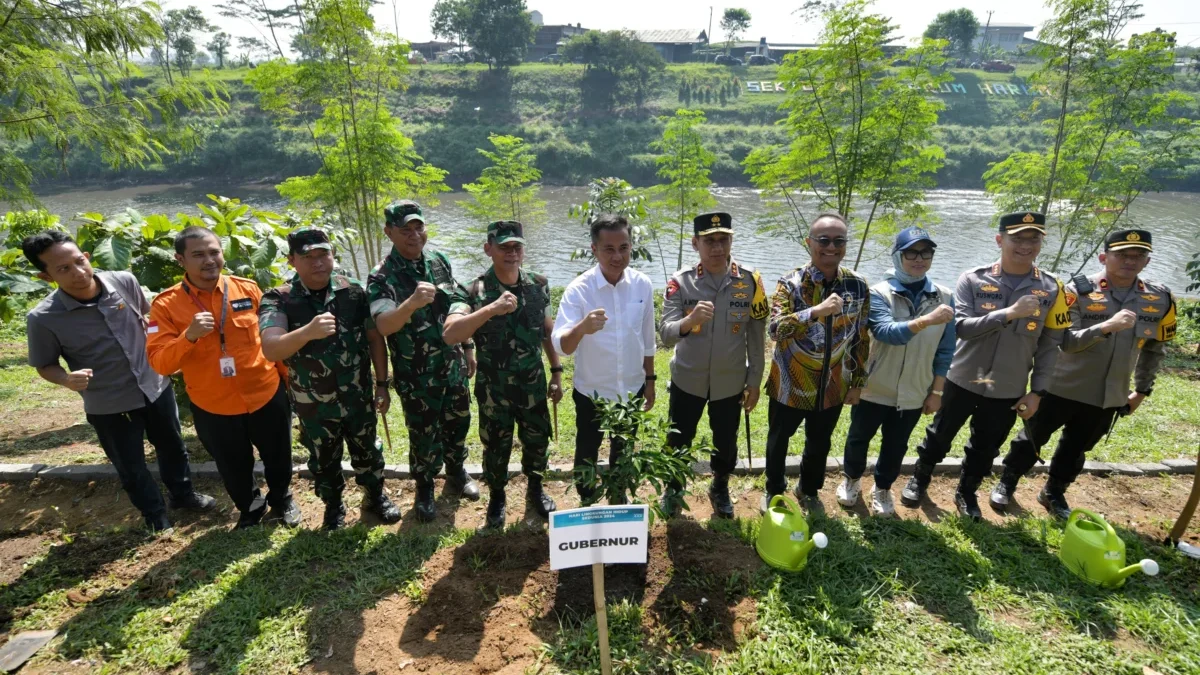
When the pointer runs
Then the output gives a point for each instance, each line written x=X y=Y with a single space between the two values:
x=588 y=437
x=1083 y=426
x=121 y=435
x=782 y=423
x=231 y=440
x=685 y=411
x=865 y=420
x=991 y=420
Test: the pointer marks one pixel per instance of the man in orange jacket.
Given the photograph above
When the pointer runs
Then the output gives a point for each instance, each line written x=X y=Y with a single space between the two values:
x=207 y=327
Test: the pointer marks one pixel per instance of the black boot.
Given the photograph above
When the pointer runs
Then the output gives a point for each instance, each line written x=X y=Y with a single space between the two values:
x=426 y=509
x=718 y=494
x=497 y=502
x=965 y=499
x=335 y=514
x=465 y=485
x=1003 y=493
x=672 y=500
x=536 y=497
x=1053 y=497
x=914 y=492
x=376 y=501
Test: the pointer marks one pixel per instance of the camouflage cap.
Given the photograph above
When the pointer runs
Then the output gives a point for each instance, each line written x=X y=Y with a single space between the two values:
x=306 y=239
x=402 y=212
x=503 y=231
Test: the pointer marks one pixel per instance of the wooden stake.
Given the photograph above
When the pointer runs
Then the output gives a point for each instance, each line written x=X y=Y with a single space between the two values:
x=1189 y=509
x=601 y=617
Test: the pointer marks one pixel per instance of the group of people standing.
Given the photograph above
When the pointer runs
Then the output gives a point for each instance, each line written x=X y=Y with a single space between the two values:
x=320 y=348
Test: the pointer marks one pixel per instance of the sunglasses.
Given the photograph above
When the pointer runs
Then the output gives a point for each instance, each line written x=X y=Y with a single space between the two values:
x=826 y=242
x=923 y=254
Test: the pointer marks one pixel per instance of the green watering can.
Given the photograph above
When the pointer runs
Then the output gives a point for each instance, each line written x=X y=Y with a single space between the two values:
x=783 y=541
x=1093 y=551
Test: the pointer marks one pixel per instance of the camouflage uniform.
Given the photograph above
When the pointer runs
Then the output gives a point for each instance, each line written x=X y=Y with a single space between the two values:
x=510 y=384
x=430 y=375
x=329 y=381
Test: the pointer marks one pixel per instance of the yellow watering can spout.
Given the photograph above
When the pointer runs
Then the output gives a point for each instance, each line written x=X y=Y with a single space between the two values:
x=1147 y=566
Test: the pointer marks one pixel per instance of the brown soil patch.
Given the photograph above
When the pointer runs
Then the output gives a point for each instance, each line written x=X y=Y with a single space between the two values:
x=15 y=550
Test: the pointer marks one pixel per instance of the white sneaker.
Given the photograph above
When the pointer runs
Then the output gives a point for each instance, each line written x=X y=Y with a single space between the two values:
x=881 y=503
x=848 y=491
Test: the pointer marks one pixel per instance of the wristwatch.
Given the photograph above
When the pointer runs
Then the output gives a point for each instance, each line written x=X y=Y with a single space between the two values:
x=936 y=392
x=384 y=382
x=1145 y=392
x=556 y=369
x=1040 y=392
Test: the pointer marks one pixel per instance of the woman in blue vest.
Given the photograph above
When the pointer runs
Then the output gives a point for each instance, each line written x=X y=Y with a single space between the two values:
x=912 y=323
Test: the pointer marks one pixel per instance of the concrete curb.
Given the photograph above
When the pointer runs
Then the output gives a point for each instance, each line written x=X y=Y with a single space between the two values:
x=791 y=467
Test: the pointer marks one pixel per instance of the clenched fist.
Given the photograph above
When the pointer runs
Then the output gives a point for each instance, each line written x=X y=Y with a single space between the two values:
x=942 y=315
x=505 y=304
x=202 y=324
x=1122 y=320
x=832 y=305
x=78 y=380
x=1024 y=307
x=423 y=295
x=322 y=326
x=593 y=322
x=701 y=314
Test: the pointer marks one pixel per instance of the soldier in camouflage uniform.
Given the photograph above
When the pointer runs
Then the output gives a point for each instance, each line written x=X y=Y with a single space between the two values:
x=410 y=293
x=508 y=311
x=320 y=326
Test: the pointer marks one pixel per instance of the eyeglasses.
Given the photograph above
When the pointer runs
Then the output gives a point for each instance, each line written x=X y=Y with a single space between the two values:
x=923 y=254
x=826 y=242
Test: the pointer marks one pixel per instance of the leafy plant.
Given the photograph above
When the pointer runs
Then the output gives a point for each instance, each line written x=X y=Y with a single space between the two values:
x=613 y=195
x=646 y=459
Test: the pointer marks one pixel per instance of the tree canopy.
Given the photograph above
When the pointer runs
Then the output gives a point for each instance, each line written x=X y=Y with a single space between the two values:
x=734 y=22
x=627 y=66
x=67 y=77
x=500 y=31
x=959 y=27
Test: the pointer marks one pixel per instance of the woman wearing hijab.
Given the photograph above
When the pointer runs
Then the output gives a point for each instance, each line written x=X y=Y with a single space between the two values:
x=912 y=323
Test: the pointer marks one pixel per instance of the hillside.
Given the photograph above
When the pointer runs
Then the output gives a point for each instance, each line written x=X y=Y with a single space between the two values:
x=450 y=110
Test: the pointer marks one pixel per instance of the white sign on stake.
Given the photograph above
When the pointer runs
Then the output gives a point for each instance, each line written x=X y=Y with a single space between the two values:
x=599 y=534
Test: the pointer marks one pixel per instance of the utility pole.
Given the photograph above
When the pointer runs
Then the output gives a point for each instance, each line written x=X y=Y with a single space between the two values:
x=709 y=33
x=987 y=39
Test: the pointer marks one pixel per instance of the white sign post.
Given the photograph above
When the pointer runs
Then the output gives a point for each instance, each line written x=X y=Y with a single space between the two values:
x=594 y=536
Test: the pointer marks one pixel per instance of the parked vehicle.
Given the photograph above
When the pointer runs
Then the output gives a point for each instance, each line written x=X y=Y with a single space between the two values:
x=447 y=57
x=416 y=58
x=998 y=67
x=551 y=58
x=761 y=60
x=726 y=60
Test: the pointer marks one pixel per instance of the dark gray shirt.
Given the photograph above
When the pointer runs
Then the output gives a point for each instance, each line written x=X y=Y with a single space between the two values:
x=108 y=336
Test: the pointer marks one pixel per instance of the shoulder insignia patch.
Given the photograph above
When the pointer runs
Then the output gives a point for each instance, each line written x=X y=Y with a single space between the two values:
x=1071 y=298
x=672 y=287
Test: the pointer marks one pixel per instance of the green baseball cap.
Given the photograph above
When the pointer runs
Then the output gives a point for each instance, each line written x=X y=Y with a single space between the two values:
x=503 y=231
x=402 y=212
x=306 y=239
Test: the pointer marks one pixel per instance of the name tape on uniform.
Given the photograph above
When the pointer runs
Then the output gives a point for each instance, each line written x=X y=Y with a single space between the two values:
x=599 y=534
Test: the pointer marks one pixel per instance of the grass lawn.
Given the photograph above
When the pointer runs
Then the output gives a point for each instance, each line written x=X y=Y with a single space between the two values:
x=927 y=594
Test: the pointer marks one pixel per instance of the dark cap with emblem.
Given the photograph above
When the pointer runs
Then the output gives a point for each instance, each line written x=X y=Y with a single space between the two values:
x=712 y=223
x=1122 y=239
x=307 y=239
x=504 y=231
x=398 y=214
x=1013 y=223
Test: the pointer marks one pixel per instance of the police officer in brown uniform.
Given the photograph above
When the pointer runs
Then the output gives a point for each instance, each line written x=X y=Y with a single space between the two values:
x=714 y=315
x=1009 y=319
x=1119 y=325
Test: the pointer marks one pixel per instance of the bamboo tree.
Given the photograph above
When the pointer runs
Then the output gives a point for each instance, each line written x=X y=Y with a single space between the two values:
x=861 y=129
x=684 y=163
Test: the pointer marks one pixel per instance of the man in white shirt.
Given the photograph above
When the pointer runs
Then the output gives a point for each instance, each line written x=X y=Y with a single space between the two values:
x=606 y=319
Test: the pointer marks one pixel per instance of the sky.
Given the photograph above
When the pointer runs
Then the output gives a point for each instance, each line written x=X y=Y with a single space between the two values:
x=774 y=19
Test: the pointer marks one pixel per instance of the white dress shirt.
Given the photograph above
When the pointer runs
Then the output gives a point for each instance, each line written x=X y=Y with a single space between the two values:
x=609 y=362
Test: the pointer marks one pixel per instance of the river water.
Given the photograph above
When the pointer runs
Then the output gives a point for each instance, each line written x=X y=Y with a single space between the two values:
x=964 y=232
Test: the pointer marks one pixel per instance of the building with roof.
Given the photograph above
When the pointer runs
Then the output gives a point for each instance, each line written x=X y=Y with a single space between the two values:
x=549 y=39
x=1006 y=36
x=675 y=45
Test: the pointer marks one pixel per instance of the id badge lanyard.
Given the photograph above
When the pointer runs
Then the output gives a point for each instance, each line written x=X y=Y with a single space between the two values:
x=224 y=307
